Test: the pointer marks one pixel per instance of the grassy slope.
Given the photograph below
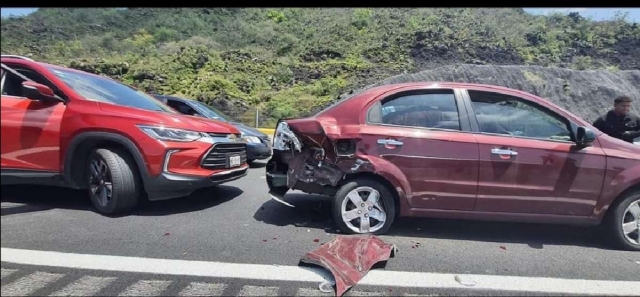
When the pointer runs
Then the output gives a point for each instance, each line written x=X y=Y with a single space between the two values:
x=288 y=62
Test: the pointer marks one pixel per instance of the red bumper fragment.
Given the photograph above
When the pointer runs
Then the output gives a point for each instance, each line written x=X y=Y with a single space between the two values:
x=349 y=258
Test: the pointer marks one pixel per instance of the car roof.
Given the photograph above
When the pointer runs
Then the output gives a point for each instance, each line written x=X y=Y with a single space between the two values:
x=24 y=61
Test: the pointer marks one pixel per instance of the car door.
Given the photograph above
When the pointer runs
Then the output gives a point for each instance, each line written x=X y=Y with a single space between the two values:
x=425 y=135
x=30 y=128
x=529 y=162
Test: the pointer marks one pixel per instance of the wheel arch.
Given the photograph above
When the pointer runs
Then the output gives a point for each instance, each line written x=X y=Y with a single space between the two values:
x=620 y=197
x=83 y=143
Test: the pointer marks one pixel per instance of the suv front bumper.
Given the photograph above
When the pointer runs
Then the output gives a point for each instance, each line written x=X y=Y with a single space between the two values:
x=168 y=185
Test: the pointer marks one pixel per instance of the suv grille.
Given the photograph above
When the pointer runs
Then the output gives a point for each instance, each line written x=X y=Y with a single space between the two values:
x=218 y=155
x=221 y=135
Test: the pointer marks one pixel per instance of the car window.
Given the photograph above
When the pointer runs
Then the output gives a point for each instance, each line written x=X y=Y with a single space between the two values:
x=181 y=107
x=210 y=111
x=93 y=87
x=509 y=115
x=2 y=77
x=432 y=109
x=12 y=84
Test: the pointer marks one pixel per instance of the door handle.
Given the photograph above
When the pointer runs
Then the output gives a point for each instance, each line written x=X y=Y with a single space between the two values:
x=508 y=152
x=389 y=142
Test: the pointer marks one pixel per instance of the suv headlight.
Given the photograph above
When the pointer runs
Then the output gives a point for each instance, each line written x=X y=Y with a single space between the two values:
x=170 y=134
x=252 y=139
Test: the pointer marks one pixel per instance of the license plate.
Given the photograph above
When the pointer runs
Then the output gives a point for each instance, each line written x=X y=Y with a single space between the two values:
x=234 y=161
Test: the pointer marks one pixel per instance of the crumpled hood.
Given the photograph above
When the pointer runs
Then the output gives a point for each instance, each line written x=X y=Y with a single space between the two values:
x=172 y=120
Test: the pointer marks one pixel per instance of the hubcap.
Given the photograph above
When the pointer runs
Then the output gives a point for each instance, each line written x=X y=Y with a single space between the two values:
x=100 y=182
x=364 y=207
x=631 y=223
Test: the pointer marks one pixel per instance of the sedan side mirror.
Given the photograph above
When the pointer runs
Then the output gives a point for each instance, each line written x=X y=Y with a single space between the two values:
x=585 y=136
x=40 y=92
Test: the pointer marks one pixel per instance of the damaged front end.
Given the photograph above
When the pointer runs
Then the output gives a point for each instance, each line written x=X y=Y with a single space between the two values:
x=307 y=158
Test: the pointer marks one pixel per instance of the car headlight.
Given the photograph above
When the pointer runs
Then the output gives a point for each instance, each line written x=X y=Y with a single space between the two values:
x=252 y=139
x=170 y=134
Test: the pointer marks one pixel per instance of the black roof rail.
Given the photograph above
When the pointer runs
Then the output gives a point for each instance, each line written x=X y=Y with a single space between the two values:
x=17 y=57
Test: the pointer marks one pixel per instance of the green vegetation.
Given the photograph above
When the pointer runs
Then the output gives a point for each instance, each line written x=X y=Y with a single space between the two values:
x=291 y=62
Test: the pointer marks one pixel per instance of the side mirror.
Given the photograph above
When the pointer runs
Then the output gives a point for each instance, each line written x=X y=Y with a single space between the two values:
x=40 y=92
x=585 y=136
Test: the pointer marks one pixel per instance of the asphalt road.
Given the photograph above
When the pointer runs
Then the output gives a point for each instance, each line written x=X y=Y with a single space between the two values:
x=238 y=222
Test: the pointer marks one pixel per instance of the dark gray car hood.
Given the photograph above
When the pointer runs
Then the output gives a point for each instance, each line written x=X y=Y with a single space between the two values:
x=247 y=130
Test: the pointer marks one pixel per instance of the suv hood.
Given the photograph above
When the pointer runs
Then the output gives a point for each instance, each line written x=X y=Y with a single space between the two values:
x=177 y=120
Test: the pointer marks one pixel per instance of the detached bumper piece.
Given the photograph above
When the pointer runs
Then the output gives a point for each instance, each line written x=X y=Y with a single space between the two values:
x=349 y=258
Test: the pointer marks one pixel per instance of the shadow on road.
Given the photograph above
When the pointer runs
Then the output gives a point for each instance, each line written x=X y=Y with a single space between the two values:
x=199 y=200
x=312 y=211
x=258 y=164
x=41 y=198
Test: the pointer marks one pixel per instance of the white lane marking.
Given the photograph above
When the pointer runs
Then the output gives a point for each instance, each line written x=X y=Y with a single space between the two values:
x=7 y=272
x=306 y=292
x=203 y=289
x=146 y=288
x=258 y=291
x=29 y=284
x=363 y=293
x=85 y=286
x=316 y=275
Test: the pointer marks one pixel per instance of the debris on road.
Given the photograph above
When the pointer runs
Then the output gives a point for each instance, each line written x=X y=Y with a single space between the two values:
x=326 y=287
x=279 y=199
x=415 y=244
x=167 y=234
x=502 y=247
x=349 y=258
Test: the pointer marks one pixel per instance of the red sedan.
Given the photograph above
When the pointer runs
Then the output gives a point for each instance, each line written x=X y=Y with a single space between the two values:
x=455 y=150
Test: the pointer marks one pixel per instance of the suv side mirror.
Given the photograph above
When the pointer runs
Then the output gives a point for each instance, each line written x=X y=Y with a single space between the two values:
x=585 y=136
x=40 y=92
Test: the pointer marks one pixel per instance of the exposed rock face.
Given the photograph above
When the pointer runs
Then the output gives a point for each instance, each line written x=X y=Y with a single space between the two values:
x=587 y=94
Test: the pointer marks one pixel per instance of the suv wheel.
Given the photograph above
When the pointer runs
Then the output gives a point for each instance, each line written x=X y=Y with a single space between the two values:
x=364 y=206
x=113 y=181
x=623 y=223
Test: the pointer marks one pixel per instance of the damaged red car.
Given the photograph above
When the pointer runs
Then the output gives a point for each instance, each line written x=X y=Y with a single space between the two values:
x=455 y=150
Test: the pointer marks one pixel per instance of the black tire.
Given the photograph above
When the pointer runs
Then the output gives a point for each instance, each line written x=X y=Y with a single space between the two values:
x=387 y=199
x=614 y=219
x=124 y=178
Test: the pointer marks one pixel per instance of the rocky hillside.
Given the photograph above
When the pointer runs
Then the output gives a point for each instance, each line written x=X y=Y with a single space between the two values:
x=288 y=62
x=586 y=93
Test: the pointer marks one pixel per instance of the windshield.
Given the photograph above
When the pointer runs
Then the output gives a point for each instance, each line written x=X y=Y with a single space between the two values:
x=106 y=90
x=210 y=111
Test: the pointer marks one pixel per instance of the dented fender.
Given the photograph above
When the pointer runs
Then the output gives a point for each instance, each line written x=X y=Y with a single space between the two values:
x=307 y=159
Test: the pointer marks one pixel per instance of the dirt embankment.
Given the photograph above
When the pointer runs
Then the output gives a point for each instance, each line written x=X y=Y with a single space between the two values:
x=587 y=93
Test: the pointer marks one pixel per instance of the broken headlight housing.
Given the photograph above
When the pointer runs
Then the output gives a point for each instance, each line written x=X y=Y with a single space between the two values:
x=284 y=138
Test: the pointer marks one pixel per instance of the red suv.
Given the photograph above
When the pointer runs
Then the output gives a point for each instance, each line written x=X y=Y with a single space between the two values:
x=454 y=150
x=66 y=127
